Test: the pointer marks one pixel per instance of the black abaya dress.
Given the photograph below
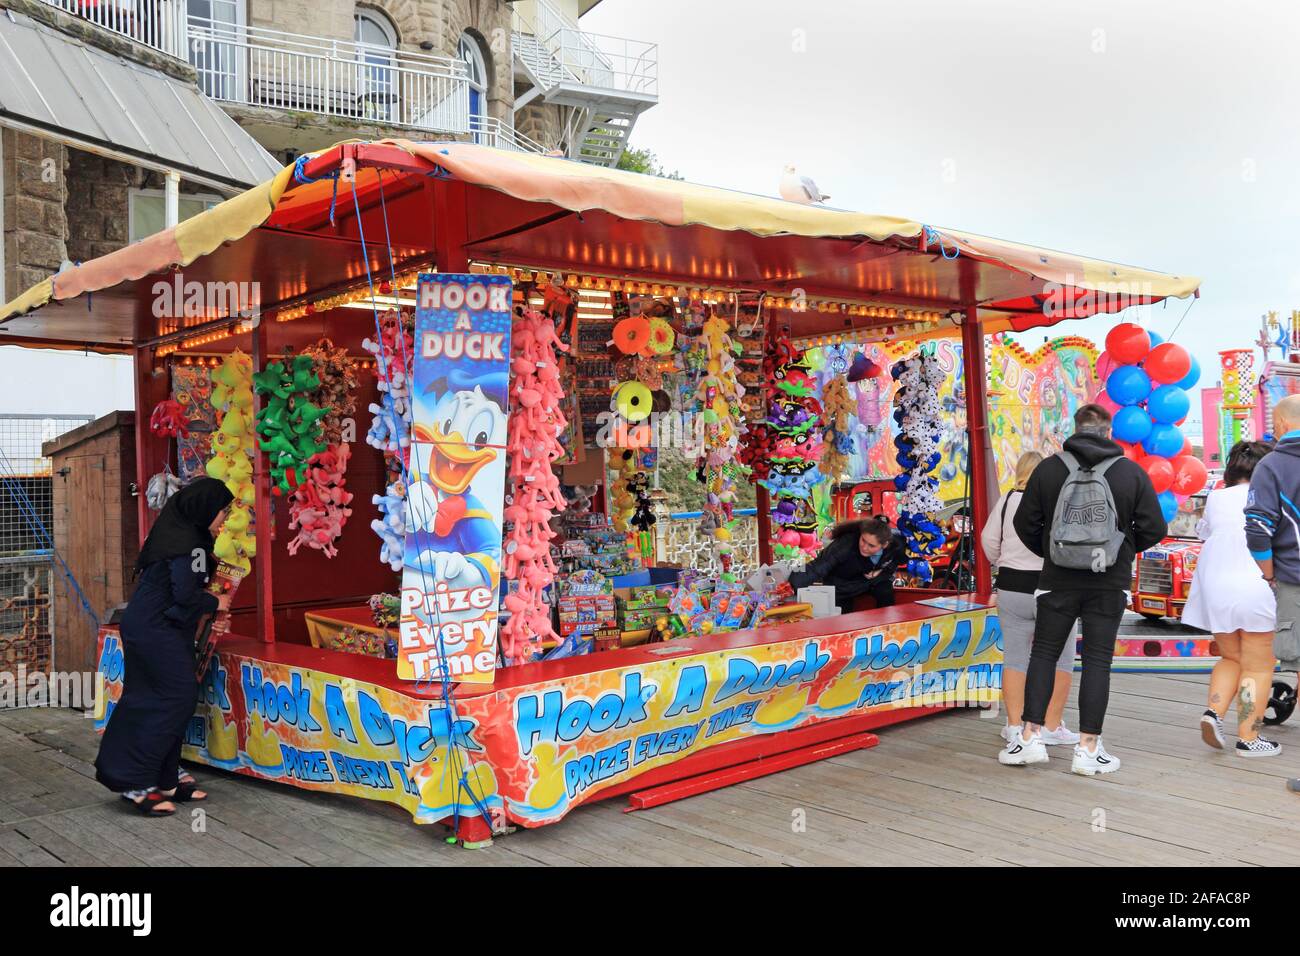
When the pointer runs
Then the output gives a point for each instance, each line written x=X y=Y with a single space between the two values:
x=141 y=747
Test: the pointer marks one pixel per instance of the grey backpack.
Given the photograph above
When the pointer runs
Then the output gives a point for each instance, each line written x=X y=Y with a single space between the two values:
x=1085 y=526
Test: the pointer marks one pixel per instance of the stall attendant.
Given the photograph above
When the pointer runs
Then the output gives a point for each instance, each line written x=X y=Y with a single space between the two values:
x=139 y=755
x=861 y=558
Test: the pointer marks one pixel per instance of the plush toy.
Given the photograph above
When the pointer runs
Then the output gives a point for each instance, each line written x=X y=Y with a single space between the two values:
x=718 y=398
x=169 y=420
x=232 y=460
x=289 y=422
x=532 y=446
x=789 y=446
x=838 y=407
x=318 y=508
x=917 y=410
x=390 y=429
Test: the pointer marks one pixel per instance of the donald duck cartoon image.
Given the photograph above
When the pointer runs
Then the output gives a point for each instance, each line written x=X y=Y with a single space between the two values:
x=457 y=541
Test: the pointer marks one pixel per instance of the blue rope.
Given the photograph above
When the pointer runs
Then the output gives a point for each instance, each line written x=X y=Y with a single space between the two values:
x=300 y=176
x=933 y=235
x=444 y=672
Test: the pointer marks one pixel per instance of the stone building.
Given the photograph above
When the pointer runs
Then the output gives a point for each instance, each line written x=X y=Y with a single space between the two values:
x=174 y=105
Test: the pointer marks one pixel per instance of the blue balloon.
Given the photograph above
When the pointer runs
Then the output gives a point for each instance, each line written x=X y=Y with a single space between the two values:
x=1165 y=441
x=1128 y=385
x=1131 y=424
x=1168 y=404
x=1155 y=337
x=1193 y=376
x=1168 y=504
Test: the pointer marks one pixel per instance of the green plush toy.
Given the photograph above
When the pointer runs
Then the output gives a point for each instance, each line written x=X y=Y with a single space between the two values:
x=289 y=425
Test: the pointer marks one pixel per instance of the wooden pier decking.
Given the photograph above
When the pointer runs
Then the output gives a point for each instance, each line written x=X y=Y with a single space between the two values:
x=932 y=792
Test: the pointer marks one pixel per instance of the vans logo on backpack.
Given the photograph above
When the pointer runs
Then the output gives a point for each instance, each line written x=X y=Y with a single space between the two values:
x=1085 y=525
x=1084 y=514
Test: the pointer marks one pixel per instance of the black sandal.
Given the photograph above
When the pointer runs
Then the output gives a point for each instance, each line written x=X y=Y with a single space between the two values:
x=148 y=804
x=185 y=793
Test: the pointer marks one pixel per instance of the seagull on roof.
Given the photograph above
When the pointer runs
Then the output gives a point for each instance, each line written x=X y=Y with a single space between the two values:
x=798 y=188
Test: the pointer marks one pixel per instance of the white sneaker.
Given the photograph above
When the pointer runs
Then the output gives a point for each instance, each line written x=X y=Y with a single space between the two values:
x=1061 y=735
x=1010 y=732
x=1212 y=730
x=1259 y=747
x=1091 y=763
x=1020 y=752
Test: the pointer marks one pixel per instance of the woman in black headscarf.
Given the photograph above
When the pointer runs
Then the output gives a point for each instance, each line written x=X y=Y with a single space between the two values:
x=139 y=755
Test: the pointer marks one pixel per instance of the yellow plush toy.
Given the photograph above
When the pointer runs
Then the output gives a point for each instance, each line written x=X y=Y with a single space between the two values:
x=232 y=461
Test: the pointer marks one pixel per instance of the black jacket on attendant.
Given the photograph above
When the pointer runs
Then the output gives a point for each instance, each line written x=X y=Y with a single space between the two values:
x=1140 y=518
x=841 y=565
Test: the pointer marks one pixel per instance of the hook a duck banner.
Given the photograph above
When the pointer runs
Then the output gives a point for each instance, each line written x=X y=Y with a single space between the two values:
x=452 y=572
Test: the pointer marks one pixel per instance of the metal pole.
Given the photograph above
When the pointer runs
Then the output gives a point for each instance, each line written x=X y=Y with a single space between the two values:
x=983 y=481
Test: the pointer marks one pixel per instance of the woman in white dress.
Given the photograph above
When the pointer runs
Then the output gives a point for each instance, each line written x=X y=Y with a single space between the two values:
x=1231 y=600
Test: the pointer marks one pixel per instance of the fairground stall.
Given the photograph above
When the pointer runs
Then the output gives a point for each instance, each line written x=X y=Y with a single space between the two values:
x=430 y=373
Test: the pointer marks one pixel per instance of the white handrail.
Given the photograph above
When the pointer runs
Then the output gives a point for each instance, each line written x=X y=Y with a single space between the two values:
x=159 y=24
x=260 y=67
x=591 y=59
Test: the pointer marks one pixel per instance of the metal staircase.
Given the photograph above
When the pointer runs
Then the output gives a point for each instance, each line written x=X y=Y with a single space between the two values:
x=605 y=82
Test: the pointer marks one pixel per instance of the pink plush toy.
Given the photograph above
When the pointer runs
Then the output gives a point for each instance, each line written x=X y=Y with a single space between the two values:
x=319 y=506
x=532 y=445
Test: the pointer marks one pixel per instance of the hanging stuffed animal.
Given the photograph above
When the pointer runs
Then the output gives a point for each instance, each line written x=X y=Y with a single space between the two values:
x=789 y=446
x=390 y=429
x=318 y=508
x=532 y=446
x=289 y=422
x=232 y=460
x=918 y=414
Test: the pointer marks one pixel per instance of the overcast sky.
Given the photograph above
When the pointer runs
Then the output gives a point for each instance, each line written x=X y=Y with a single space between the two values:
x=1156 y=133
x=1152 y=132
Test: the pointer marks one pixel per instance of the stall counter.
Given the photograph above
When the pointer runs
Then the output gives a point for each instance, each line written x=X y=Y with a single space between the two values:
x=552 y=735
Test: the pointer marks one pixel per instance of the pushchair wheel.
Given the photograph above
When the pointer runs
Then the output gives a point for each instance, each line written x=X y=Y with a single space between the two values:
x=1281 y=703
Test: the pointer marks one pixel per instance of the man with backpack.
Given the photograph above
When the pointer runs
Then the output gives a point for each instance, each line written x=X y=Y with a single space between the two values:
x=1086 y=512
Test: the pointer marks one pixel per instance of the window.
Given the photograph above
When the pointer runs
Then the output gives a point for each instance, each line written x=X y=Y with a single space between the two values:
x=147 y=211
x=376 y=81
x=469 y=50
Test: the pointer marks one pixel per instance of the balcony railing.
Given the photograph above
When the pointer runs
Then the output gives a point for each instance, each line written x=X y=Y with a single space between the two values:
x=254 y=66
x=155 y=23
x=589 y=59
x=259 y=67
x=490 y=131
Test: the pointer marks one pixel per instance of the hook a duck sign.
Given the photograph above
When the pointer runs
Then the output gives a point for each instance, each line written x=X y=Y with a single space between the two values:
x=452 y=574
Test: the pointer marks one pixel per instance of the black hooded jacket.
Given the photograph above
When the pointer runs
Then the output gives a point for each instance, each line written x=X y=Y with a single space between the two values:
x=841 y=565
x=1136 y=505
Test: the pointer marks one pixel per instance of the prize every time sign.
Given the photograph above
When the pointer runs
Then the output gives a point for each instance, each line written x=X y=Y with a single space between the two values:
x=455 y=498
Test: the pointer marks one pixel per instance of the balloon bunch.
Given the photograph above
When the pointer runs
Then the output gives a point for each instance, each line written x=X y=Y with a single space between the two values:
x=917 y=412
x=718 y=396
x=1146 y=393
x=319 y=507
x=232 y=461
x=289 y=422
x=837 y=440
x=532 y=444
x=390 y=430
x=792 y=436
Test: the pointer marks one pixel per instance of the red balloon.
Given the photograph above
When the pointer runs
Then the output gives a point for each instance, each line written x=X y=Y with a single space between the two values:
x=1132 y=452
x=1160 y=471
x=1106 y=402
x=1128 y=344
x=1167 y=363
x=1189 y=475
